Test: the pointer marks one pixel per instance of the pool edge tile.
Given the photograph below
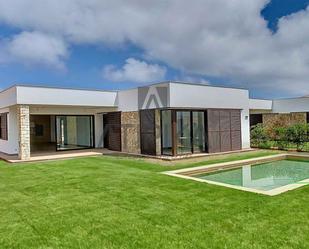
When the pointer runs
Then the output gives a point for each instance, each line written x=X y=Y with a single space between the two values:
x=181 y=173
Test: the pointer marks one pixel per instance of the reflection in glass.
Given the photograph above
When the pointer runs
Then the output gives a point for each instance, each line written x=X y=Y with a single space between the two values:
x=183 y=131
x=74 y=132
x=167 y=144
x=198 y=125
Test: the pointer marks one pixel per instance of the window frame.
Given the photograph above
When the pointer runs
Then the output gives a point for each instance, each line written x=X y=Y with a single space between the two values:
x=174 y=130
x=4 y=136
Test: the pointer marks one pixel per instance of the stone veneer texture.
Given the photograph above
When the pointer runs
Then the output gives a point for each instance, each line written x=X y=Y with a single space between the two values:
x=272 y=120
x=23 y=118
x=130 y=132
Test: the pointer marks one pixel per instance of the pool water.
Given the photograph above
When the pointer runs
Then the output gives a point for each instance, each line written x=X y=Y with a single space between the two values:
x=266 y=176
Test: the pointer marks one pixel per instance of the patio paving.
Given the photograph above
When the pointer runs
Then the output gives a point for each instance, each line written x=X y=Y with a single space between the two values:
x=52 y=155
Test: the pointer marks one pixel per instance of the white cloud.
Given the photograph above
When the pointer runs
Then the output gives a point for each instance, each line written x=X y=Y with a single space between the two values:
x=192 y=79
x=227 y=39
x=134 y=71
x=35 y=48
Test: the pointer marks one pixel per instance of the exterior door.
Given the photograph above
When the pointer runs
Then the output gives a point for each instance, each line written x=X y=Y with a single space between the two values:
x=74 y=132
x=183 y=132
x=112 y=128
x=148 y=132
x=198 y=127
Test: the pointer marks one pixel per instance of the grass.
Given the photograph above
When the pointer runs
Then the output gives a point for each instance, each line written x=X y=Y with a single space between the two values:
x=108 y=202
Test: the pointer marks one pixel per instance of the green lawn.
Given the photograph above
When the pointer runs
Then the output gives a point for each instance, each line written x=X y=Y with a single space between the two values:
x=109 y=202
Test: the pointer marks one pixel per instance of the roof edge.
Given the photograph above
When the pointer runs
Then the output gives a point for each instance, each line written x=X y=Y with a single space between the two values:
x=55 y=87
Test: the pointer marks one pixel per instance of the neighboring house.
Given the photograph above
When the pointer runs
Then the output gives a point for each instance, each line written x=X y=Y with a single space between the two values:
x=169 y=118
x=279 y=112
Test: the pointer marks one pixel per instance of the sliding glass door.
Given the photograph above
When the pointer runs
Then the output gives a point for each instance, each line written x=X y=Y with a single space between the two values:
x=183 y=132
x=198 y=126
x=166 y=132
x=74 y=132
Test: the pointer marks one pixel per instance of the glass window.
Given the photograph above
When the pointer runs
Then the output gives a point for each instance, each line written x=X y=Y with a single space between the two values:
x=198 y=125
x=166 y=129
x=183 y=131
x=74 y=132
x=3 y=126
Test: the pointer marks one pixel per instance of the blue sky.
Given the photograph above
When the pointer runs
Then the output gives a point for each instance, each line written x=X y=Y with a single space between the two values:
x=108 y=62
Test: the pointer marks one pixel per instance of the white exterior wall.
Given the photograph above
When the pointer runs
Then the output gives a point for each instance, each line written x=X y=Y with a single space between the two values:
x=291 y=105
x=198 y=96
x=71 y=97
x=10 y=146
x=68 y=110
x=8 y=97
x=245 y=129
x=127 y=100
x=206 y=97
x=260 y=104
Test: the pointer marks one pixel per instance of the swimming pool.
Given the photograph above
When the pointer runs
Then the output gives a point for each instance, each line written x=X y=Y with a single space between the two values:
x=271 y=177
x=266 y=176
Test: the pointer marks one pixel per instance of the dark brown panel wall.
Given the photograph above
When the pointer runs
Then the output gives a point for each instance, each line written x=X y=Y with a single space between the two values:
x=213 y=121
x=236 y=130
x=224 y=130
x=113 y=126
x=148 y=132
x=4 y=126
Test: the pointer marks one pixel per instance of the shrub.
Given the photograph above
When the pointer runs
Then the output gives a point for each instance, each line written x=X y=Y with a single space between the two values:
x=298 y=135
x=258 y=135
x=265 y=144
x=295 y=135
x=280 y=136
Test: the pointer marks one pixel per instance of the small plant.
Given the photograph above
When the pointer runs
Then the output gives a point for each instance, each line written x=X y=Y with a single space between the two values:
x=265 y=145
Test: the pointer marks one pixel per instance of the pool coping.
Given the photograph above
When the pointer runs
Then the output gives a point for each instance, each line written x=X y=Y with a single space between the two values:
x=189 y=173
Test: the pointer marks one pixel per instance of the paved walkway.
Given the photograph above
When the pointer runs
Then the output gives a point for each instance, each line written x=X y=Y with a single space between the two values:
x=43 y=156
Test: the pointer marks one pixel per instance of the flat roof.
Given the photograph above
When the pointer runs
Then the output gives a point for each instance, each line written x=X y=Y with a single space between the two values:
x=55 y=87
x=291 y=98
x=151 y=84
x=45 y=95
x=260 y=99
x=193 y=84
x=102 y=90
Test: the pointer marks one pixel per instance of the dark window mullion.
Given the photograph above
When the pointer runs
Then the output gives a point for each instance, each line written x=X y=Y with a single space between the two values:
x=191 y=131
x=206 y=130
x=174 y=133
